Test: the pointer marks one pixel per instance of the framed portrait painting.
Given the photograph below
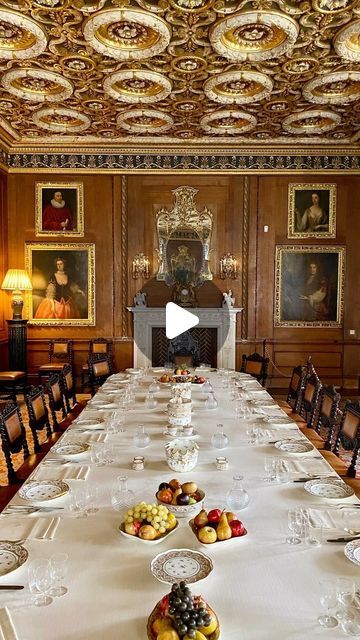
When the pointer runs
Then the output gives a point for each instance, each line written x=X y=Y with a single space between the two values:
x=309 y=286
x=312 y=211
x=59 y=209
x=63 y=279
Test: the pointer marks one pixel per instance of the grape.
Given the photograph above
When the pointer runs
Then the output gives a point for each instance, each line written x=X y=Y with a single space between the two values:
x=186 y=616
x=177 y=601
x=182 y=585
x=183 y=629
x=193 y=624
x=182 y=606
x=191 y=633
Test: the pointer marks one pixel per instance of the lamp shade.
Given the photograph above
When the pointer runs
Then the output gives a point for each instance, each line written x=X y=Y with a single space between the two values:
x=17 y=279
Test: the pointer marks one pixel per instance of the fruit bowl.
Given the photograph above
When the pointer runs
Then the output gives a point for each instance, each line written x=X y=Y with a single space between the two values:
x=186 y=510
x=149 y=542
x=217 y=543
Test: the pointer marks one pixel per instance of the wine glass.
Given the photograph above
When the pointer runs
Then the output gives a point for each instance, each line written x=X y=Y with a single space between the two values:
x=295 y=526
x=59 y=569
x=121 y=496
x=237 y=498
x=219 y=439
x=43 y=581
x=78 y=502
x=141 y=437
x=92 y=499
x=328 y=600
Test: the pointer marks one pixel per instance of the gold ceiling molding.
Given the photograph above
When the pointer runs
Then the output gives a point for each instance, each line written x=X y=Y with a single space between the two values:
x=144 y=120
x=137 y=85
x=311 y=122
x=333 y=6
x=234 y=87
x=37 y=85
x=61 y=120
x=254 y=35
x=347 y=42
x=20 y=36
x=127 y=34
x=340 y=87
x=228 y=121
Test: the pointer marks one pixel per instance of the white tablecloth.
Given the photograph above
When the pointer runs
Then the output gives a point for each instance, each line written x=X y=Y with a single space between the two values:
x=261 y=587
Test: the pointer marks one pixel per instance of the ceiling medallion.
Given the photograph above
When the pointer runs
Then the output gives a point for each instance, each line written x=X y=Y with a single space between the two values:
x=7 y=105
x=238 y=87
x=186 y=107
x=78 y=64
x=189 y=64
x=341 y=87
x=50 y=4
x=301 y=65
x=127 y=34
x=347 y=42
x=254 y=35
x=145 y=121
x=20 y=37
x=228 y=121
x=333 y=6
x=137 y=85
x=190 y=5
x=96 y=106
x=310 y=122
x=277 y=106
x=37 y=85
x=61 y=120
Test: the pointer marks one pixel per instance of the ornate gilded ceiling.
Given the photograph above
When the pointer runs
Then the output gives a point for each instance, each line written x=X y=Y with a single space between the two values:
x=227 y=72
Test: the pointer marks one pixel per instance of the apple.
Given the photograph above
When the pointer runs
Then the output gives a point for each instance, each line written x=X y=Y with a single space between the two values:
x=237 y=528
x=207 y=535
x=164 y=604
x=214 y=515
x=174 y=484
x=230 y=516
x=130 y=528
x=147 y=532
x=189 y=487
x=163 y=485
x=165 y=495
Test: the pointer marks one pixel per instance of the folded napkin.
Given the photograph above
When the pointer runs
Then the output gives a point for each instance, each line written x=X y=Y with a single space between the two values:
x=335 y=519
x=96 y=437
x=280 y=423
x=63 y=472
x=24 y=528
x=7 y=629
x=312 y=466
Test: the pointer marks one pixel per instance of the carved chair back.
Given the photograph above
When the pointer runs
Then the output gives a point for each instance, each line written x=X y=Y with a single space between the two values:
x=256 y=365
x=13 y=437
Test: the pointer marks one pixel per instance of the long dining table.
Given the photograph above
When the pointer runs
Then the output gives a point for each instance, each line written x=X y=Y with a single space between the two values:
x=260 y=587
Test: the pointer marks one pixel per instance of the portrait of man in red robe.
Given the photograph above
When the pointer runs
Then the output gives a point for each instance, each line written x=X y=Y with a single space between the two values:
x=57 y=215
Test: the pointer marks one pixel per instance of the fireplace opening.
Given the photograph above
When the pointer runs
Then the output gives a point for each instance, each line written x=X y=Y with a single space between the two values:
x=197 y=345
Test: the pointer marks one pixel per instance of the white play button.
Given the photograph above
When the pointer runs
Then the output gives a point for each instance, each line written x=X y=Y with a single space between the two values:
x=178 y=320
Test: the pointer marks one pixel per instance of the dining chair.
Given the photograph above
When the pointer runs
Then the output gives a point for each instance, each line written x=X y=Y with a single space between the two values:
x=12 y=383
x=96 y=346
x=295 y=390
x=256 y=365
x=57 y=403
x=73 y=406
x=39 y=419
x=60 y=353
x=344 y=457
x=100 y=368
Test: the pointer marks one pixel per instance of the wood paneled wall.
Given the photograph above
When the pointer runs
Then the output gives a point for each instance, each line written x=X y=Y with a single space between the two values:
x=120 y=220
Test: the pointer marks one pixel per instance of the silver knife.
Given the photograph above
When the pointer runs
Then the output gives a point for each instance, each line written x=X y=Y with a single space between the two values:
x=348 y=539
x=11 y=587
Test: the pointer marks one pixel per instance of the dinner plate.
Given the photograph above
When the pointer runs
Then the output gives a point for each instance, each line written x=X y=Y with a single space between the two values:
x=12 y=556
x=71 y=448
x=352 y=551
x=43 y=490
x=89 y=422
x=177 y=565
x=294 y=446
x=328 y=488
x=133 y=371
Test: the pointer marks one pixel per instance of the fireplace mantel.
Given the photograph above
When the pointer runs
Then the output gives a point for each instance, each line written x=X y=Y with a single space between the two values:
x=145 y=318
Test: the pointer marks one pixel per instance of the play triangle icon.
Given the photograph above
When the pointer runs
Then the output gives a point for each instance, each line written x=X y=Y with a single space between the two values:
x=178 y=320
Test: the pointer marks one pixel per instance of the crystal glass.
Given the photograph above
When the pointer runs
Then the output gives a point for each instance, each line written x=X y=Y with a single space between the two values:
x=154 y=387
x=237 y=498
x=219 y=439
x=32 y=567
x=240 y=410
x=78 y=502
x=211 y=402
x=270 y=469
x=43 y=581
x=97 y=454
x=295 y=524
x=59 y=569
x=141 y=437
x=150 y=401
x=328 y=600
x=92 y=499
x=121 y=496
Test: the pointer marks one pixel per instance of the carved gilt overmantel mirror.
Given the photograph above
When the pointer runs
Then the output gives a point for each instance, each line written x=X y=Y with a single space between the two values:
x=184 y=236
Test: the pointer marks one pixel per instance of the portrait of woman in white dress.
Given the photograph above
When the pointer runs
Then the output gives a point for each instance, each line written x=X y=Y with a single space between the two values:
x=312 y=211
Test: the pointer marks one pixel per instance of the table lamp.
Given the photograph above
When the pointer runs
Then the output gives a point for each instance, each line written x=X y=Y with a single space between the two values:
x=17 y=280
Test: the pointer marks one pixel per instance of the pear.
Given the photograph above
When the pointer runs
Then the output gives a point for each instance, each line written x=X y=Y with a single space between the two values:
x=223 y=529
x=175 y=495
x=201 y=518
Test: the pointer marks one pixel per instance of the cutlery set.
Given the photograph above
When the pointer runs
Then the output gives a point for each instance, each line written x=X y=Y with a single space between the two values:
x=26 y=510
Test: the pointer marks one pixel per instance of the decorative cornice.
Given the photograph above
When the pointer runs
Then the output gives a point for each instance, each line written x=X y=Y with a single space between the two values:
x=246 y=161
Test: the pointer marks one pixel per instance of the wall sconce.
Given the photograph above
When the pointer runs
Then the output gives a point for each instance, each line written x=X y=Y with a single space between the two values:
x=140 y=266
x=17 y=280
x=228 y=266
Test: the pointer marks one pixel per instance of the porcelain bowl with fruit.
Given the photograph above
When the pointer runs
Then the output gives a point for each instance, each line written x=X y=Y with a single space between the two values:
x=165 y=621
x=214 y=527
x=183 y=500
x=149 y=523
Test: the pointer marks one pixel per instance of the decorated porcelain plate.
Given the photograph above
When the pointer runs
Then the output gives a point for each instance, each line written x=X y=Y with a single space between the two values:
x=177 y=565
x=274 y=420
x=43 y=490
x=352 y=551
x=90 y=422
x=12 y=556
x=109 y=405
x=71 y=448
x=294 y=446
x=328 y=488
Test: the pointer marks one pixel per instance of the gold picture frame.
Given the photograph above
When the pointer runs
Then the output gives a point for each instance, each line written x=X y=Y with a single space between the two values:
x=309 y=286
x=312 y=210
x=59 y=209
x=63 y=279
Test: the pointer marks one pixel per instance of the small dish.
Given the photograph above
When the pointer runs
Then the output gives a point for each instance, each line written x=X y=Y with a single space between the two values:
x=180 y=434
x=69 y=449
x=12 y=556
x=294 y=446
x=43 y=490
x=352 y=551
x=148 y=542
x=181 y=565
x=89 y=422
x=217 y=543
x=328 y=488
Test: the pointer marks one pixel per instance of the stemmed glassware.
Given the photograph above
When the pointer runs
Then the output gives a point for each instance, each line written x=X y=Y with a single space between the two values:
x=42 y=581
x=121 y=496
x=219 y=439
x=141 y=437
x=295 y=524
x=59 y=569
x=328 y=600
x=237 y=498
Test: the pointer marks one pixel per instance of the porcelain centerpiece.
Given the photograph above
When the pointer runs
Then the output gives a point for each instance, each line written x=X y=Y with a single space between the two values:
x=181 y=455
x=179 y=410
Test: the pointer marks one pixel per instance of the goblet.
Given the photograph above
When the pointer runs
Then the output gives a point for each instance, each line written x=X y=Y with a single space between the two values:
x=59 y=569
x=328 y=600
x=295 y=526
x=43 y=581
